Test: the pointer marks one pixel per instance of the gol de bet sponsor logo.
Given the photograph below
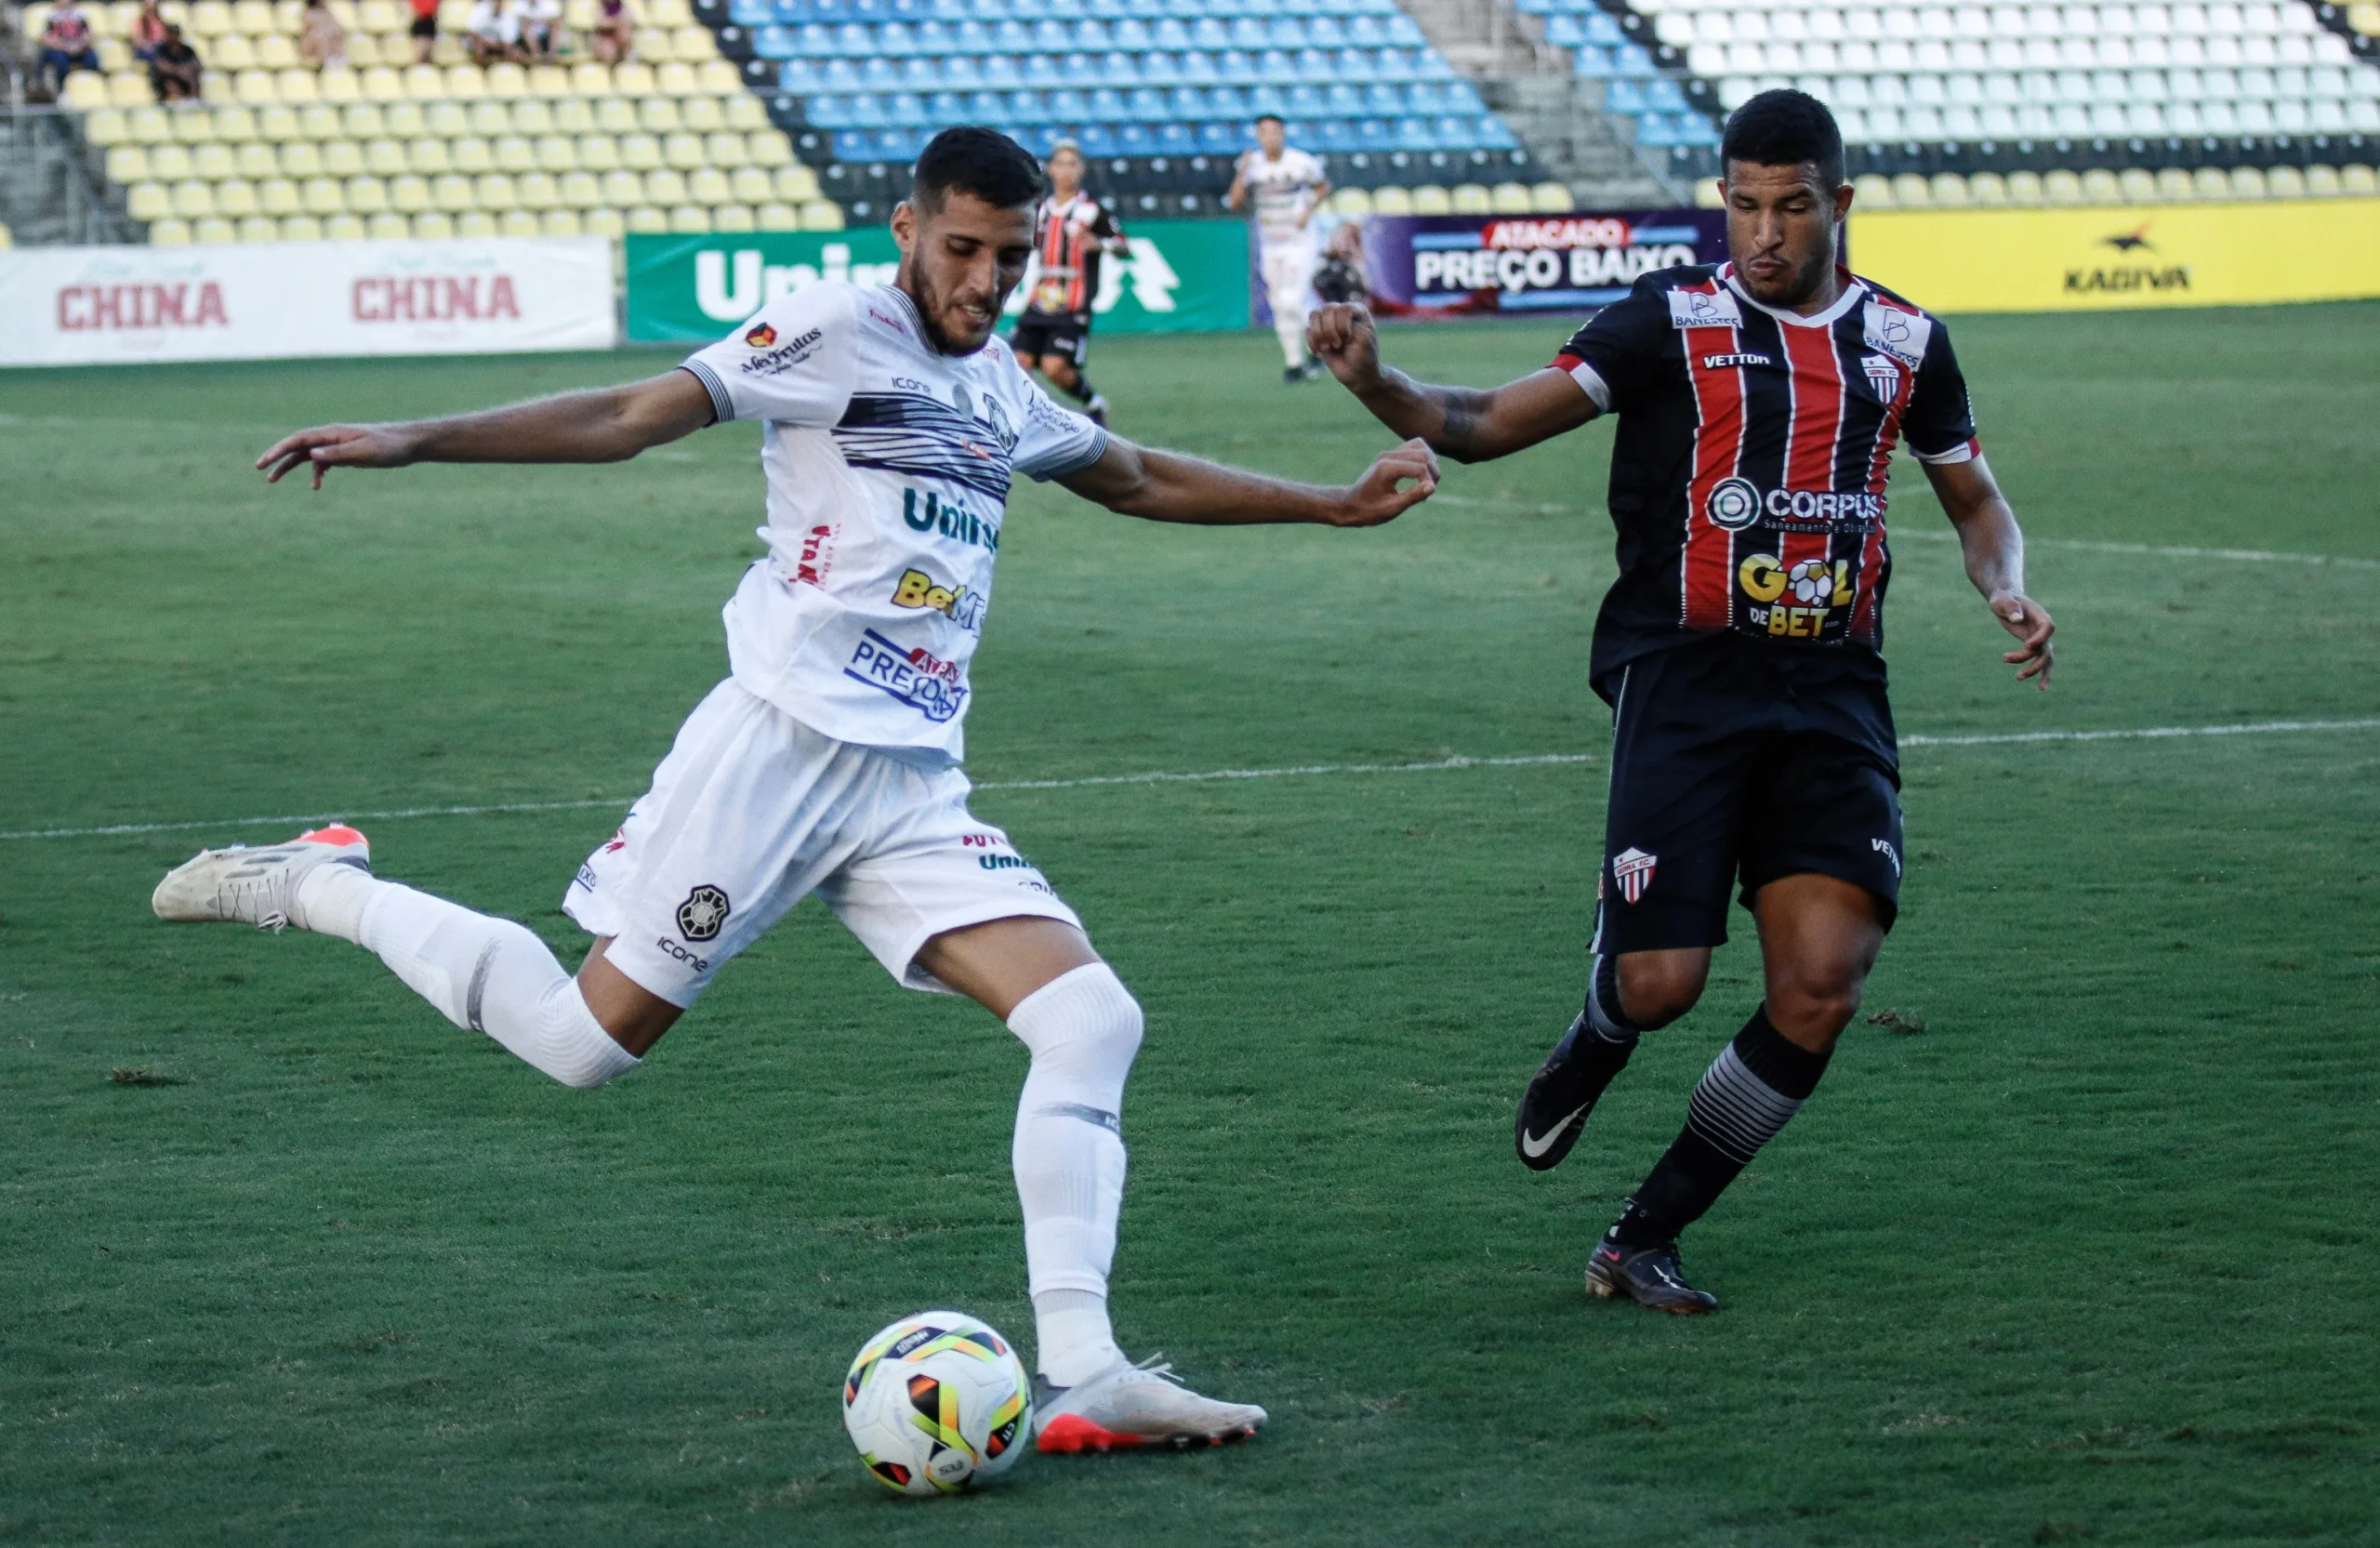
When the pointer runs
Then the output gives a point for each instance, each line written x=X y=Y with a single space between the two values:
x=1550 y=255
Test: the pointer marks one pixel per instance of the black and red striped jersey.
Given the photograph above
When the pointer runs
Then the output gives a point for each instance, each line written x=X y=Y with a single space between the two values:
x=1748 y=472
x=1067 y=241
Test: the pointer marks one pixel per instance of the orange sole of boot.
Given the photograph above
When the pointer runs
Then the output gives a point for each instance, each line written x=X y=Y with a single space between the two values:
x=1072 y=1433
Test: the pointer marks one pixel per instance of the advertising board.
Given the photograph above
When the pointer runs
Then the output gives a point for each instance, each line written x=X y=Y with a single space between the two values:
x=81 y=306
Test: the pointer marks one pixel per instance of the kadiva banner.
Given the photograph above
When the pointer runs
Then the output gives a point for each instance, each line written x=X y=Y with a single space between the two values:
x=1463 y=265
x=83 y=306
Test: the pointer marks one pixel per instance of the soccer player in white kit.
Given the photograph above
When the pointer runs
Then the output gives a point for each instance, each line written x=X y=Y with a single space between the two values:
x=1287 y=187
x=827 y=762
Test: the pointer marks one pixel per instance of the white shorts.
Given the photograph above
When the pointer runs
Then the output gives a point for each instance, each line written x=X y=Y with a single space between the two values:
x=752 y=812
x=1289 y=274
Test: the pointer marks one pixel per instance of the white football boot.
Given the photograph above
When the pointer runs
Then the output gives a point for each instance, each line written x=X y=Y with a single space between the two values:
x=1130 y=1405
x=255 y=886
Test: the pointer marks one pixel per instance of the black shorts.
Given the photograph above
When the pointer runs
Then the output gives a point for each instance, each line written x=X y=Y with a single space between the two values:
x=1734 y=762
x=1054 y=333
x=424 y=26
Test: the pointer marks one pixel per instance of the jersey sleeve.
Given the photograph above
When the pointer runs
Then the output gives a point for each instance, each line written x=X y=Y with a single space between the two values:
x=1939 y=422
x=1610 y=358
x=1055 y=442
x=795 y=362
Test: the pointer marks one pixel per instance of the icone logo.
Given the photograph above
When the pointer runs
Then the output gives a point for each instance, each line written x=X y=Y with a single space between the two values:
x=958 y=603
x=1816 y=586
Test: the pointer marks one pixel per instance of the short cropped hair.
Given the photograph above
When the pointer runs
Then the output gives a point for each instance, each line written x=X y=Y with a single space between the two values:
x=1784 y=129
x=1061 y=147
x=1272 y=118
x=973 y=160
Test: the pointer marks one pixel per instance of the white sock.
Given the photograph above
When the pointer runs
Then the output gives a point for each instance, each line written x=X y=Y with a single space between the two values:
x=484 y=974
x=1083 y=1028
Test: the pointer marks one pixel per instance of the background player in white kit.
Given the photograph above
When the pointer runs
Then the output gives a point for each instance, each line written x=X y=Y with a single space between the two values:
x=827 y=762
x=1287 y=187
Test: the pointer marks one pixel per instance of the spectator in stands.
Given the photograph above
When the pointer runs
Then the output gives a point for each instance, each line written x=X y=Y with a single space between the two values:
x=425 y=30
x=174 y=70
x=321 y=39
x=541 y=26
x=148 y=33
x=1339 y=277
x=494 y=31
x=66 y=45
x=615 y=31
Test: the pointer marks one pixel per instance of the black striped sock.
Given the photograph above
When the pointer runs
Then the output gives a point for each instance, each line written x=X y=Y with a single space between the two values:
x=1755 y=1085
x=1604 y=1015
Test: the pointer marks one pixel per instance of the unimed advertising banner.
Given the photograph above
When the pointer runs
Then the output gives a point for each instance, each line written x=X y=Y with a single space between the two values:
x=1180 y=276
x=81 y=306
x=1463 y=265
x=2123 y=258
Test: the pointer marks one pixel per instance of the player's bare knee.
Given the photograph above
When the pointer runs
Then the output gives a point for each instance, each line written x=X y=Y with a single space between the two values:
x=1658 y=987
x=1812 y=1010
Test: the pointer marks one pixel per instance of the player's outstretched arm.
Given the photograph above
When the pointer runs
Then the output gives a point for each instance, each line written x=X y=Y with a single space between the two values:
x=1467 y=424
x=1167 y=486
x=610 y=424
x=1994 y=548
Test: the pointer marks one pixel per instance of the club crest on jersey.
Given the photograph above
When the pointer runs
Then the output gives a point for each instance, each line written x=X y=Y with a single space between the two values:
x=704 y=913
x=1697 y=308
x=1732 y=505
x=1883 y=374
x=1632 y=869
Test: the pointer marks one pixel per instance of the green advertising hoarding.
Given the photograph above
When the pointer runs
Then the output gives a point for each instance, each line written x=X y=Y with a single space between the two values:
x=1180 y=277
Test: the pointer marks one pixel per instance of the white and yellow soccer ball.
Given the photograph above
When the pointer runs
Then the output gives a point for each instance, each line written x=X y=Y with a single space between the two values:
x=937 y=1402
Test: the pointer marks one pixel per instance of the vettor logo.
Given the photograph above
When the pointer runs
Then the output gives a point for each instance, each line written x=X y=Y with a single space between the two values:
x=83 y=308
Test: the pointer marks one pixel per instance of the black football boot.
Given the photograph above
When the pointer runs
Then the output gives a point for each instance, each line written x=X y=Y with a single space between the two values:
x=1649 y=1275
x=1563 y=1092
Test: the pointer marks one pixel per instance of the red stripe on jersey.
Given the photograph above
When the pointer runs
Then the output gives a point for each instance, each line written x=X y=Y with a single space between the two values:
x=1817 y=387
x=1707 y=591
x=1871 y=549
x=1567 y=364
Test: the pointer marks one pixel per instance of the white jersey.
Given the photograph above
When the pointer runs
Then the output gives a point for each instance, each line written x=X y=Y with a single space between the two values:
x=1284 y=192
x=888 y=469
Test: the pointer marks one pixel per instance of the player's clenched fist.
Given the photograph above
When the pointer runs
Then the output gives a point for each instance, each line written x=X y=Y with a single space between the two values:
x=1375 y=497
x=1342 y=338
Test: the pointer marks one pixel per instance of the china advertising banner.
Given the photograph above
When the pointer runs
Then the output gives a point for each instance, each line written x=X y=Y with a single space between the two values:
x=81 y=306
x=1467 y=265
x=1178 y=276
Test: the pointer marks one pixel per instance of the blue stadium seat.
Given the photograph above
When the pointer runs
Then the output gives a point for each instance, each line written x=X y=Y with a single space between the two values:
x=1302 y=101
x=1198 y=65
x=1403 y=30
x=1654 y=128
x=1098 y=140
x=1093 y=35
x=947 y=107
x=1366 y=32
x=1171 y=34
x=1049 y=36
x=1133 y=34
x=1385 y=98
x=895 y=39
x=752 y=13
x=839 y=76
x=1623 y=96
x=1602 y=28
x=988 y=107
x=798 y=76
x=1029 y=107
x=1147 y=105
x=1222 y=139
x=1325 y=31
x=1593 y=61
x=904 y=107
x=1374 y=134
x=1630 y=59
x=856 y=39
x=1663 y=96
x=853 y=145
x=1107 y=106
x=1334 y=135
x=920 y=73
x=1414 y=134
x=1068 y=105
x=1135 y=140
x=1249 y=31
x=879 y=73
x=772 y=43
x=1351 y=64
x=1229 y=101
x=1273 y=64
x=1011 y=36
x=1176 y=139
x=999 y=70
x=1343 y=98
x=962 y=72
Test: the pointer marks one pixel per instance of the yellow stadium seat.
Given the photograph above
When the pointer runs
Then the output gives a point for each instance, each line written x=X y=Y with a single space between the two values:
x=659 y=115
x=448 y=119
x=297 y=86
x=654 y=46
x=2061 y=187
x=471 y=154
x=776 y=218
x=2100 y=187
x=645 y=220
x=632 y=80
x=1431 y=199
x=507 y=80
x=599 y=153
x=193 y=199
x=533 y=117
x=1350 y=202
x=342 y=158
x=744 y=111
x=516 y=222
x=451 y=192
x=822 y=214
x=342 y=227
x=732 y=218
x=1949 y=189
x=2175 y=187
x=591 y=79
x=2322 y=182
x=389 y=225
x=127 y=163
x=409 y=193
x=536 y=190
x=129 y=89
x=707 y=185
x=622 y=188
x=494 y=191
x=380 y=16
x=276 y=52
x=694 y=44
x=796 y=185
x=213 y=231
x=725 y=149
x=718 y=77
x=192 y=127
x=322 y=195
x=278 y=196
x=675 y=79
x=260 y=228
x=255 y=87
x=150 y=201
x=253 y=17
x=1872 y=191
x=236 y=196
x=2285 y=182
x=667 y=13
x=1509 y=199
x=639 y=152
x=579 y=191
x=114 y=53
x=2365 y=18
x=549 y=80
x=384 y=157
x=214 y=161
x=515 y=155
x=615 y=115
x=336 y=86
x=169 y=233
x=751 y=185
x=300 y=228
x=2356 y=178
x=234 y=123
x=169 y=162
x=424 y=83
x=1987 y=187
x=1912 y=192
x=427 y=156
x=557 y=153
x=475 y=223
x=36 y=19
x=403 y=120
x=232 y=52
x=574 y=115
x=664 y=186
x=769 y=148
x=689 y=219
x=559 y=222
x=453 y=16
x=603 y=222
x=447 y=52
x=289 y=16
x=1391 y=200
x=1551 y=198
x=257 y=159
x=209 y=19
x=684 y=152
x=367 y=196
x=702 y=114
x=107 y=126
x=363 y=121
x=434 y=225
x=490 y=118
x=2249 y=182
x=383 y=84
x=364 y=53
x=301 y=158
x=2136 y=185
x=465 y=82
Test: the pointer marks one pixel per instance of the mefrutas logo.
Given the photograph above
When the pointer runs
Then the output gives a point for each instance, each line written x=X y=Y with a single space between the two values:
x=761 y=336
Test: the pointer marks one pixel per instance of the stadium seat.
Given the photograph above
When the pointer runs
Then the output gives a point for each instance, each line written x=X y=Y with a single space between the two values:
x=433 y=226
x=169 y=233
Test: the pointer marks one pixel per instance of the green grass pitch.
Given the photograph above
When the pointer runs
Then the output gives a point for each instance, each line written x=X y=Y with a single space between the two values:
x=2088 y=1258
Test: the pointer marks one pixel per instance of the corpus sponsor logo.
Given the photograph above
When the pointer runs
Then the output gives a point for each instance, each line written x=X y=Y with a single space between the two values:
x=1733 y=505
x=960 y=604
x=887 y=668
x=949 y=519
x=781 y=359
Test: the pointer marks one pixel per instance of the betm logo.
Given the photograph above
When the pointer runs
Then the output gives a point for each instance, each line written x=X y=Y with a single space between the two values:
x=958 y=603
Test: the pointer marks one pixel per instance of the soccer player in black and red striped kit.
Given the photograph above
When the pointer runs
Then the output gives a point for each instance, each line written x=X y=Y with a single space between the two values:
x=1071 y=230
x=1752 y=747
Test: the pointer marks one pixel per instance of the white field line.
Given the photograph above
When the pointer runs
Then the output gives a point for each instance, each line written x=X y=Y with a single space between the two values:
x=2012 y=738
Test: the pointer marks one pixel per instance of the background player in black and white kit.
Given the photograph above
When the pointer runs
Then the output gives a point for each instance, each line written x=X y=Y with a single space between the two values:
x=1759 y=403
x=1071 y=231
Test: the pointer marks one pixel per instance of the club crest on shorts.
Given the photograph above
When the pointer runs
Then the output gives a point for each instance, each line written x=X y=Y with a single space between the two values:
x=703 y=914
x=1632 y=869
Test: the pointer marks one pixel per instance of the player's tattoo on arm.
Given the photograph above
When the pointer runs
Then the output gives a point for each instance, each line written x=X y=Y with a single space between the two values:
x=1461 y=407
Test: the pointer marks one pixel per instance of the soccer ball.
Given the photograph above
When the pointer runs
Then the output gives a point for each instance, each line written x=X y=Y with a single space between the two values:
x=1812 y=582
x=936 y=1402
